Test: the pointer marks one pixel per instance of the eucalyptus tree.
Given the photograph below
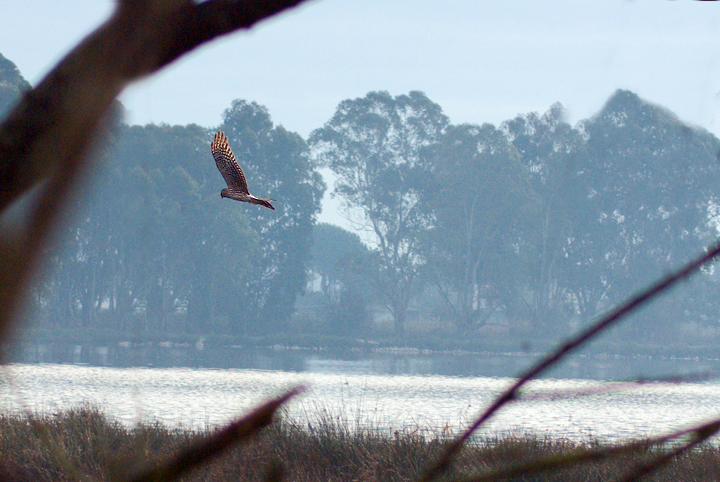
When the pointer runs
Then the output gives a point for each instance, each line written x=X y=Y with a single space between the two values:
x=337 y=255
x=150 y=250
x=482 y=205
x=333 y=253
x=549 y=148
x=47 y=136
x=156 y=206
x=157 y=249
x=651 y=184
x=372 y=144
x=81 y=257
x=12 y=85
x=277 y=165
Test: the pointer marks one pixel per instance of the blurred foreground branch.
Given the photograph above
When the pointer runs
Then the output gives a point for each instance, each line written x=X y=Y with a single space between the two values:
x=49 y=133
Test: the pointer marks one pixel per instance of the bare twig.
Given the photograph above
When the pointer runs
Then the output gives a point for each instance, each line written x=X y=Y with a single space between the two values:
x=215 y=445
x=610 y=319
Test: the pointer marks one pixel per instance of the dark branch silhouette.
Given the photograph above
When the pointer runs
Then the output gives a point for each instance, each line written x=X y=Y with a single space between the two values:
x=49 y=133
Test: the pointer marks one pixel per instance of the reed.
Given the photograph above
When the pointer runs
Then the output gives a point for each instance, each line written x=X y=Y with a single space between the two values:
x=323 y=449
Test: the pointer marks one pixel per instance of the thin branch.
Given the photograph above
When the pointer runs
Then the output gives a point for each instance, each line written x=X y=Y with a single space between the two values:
x=609 y=320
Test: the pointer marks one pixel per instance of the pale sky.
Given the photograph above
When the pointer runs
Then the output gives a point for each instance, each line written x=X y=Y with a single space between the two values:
x=482 y=61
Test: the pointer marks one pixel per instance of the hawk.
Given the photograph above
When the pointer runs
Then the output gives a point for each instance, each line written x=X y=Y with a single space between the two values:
x=234 y=178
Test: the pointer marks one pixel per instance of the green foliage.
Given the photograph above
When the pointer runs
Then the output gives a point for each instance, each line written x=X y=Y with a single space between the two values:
x=549 y=148
x=332 y=273
x=348 y=316
x=650 y=185
x=651 y=182
x=333 y=252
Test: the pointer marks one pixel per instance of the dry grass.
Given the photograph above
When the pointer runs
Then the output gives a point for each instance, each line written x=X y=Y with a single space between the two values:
x=101 y=449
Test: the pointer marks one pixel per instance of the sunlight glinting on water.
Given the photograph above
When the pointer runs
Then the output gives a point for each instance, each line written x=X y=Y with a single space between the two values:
x=198 y=398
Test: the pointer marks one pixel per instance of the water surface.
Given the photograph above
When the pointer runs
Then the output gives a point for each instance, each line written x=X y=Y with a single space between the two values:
x=201 y=397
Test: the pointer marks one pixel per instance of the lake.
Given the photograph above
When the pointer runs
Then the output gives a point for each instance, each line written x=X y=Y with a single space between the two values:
x=389 y=391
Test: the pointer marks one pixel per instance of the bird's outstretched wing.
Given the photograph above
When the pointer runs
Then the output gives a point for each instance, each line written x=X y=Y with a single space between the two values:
x=227 y=164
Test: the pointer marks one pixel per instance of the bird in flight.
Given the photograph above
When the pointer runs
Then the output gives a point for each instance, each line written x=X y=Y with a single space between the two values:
x=230 y=169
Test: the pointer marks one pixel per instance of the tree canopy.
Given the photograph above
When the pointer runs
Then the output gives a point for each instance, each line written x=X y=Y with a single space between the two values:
x=373 y=146
x=480 y=200
x=159 y=250
x=12 y=85
x=535 y=221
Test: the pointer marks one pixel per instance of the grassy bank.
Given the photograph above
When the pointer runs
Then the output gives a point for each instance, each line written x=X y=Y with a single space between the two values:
x=82 y=444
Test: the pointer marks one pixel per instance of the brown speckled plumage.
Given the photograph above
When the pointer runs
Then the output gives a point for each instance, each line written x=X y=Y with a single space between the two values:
x=232 y=173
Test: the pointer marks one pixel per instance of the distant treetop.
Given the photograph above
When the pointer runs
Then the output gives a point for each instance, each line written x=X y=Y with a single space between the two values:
x=12 y=84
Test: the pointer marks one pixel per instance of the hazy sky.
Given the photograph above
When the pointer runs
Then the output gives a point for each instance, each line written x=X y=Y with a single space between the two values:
x=481 y=61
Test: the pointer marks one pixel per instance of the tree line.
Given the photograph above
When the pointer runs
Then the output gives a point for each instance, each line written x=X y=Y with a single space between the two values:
x=537 y=220
x=534 y=221
x=158 y=249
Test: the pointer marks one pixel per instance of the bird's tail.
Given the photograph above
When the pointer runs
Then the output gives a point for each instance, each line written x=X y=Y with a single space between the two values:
x=262 y=202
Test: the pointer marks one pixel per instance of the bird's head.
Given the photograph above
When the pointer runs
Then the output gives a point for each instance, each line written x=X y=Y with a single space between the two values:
x=224 y=193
